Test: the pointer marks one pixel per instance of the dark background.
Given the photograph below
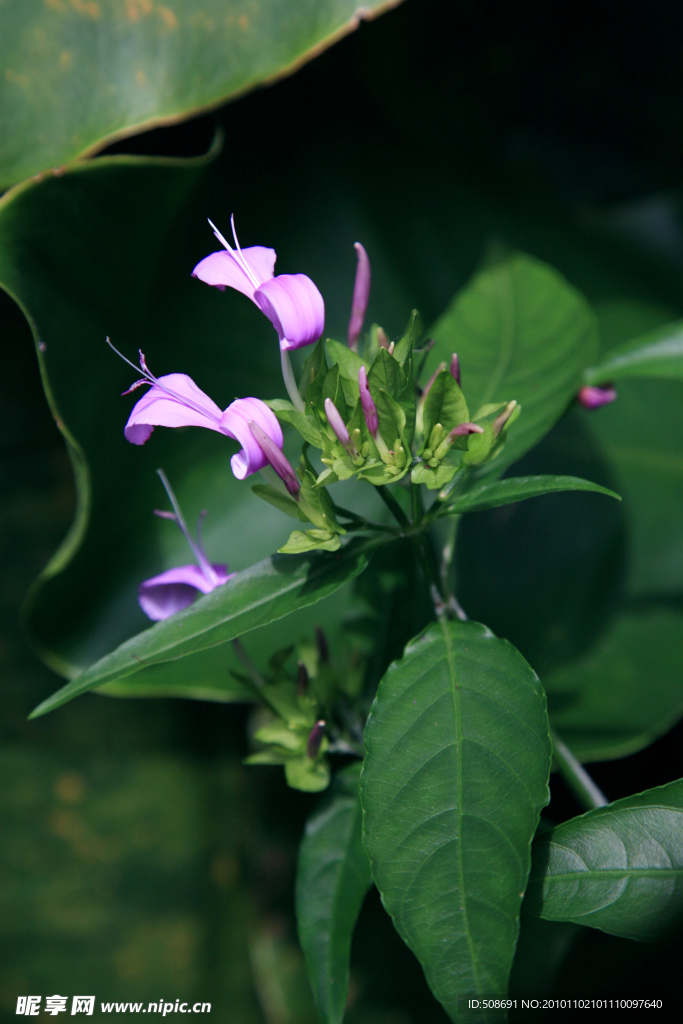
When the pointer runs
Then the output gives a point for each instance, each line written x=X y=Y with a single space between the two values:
x=139 y=858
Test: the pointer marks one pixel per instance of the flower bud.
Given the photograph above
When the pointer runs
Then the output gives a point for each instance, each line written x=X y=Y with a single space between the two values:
x=361 y=294
x=276 y=458
x=315 y=738
x=593 y=397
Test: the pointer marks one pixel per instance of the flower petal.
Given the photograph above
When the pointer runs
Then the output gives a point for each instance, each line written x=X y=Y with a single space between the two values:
x=295 y=308
x=223 y=269
x=234 y=423
x=175 y=401
x=171 y=591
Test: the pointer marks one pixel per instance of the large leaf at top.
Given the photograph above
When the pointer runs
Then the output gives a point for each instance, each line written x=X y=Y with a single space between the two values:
x=618 y=868
x=453 y=783
x=519 y=488
x=268 y=590
x=521 y=332
x=626 y=691
x=77 y=74
x=658 y=353
x=333 y=876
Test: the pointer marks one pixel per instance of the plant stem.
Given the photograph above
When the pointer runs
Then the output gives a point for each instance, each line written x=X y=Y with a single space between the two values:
x=418 y=509
x=290 y=382
x=394 y=507
x=575 y=775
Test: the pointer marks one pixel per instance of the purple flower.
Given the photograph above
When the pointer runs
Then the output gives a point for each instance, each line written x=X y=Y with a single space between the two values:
x=272 y=454
x=465 y=428
x=369 y=408
x=291 y=302
x=174 y=400
x=592 y=397
x=361 y=294
x=339 y=427
x=171 y=591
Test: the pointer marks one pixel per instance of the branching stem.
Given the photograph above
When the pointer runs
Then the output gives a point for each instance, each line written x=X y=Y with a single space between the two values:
x=575 y=775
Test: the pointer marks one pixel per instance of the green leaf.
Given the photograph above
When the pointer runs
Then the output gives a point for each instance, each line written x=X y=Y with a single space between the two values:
x=618 y=868
x=519 y=488
x=521 y=332
x=458 y=756
x=444 y=404
x=208 y=675
x=625 y=691
x=307 y=775
x=405 y=344
x=77 y=75
x=310 y=540
x=386 y=373
x=268 y=590
x=332 y=388
x=286 y=413
x=277 y=499
x=434 y=478
x=349 y=362
x=658 y=353
x=333 y=876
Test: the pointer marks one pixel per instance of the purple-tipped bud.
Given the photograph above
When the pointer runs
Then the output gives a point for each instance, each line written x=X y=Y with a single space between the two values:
x=369 y=409
x=502 y=418
x=455 y=368
x=465 y=428
x=322 y=645
x=275 y=457
x=383 y=340
x=315 y=738
x=592 y=397
x=301 y=679
x=428 y=385
x=339 y=427
x=361 y=294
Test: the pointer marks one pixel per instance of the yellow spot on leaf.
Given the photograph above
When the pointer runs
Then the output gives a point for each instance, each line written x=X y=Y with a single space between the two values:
x=168 y=17
x=136 y=9
x=140 y=78
x=88 y=8
x=243 y=22
x=65 y=59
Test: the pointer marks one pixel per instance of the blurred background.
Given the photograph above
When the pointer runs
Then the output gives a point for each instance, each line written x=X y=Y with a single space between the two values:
x=139 y=859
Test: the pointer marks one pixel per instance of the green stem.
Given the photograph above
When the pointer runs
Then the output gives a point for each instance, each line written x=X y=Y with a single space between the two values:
x=359 y=522
x=418 y=508
x=448 y=553
x=394 y=507
x=575 y=775
x=290 y=382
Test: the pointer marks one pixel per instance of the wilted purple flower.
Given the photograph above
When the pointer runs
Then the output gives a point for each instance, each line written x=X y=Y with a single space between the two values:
x=272 y=453
x=174 y=400
x=171 y=591
x=369 y=408
x=291 y=302
x=593 y=397
x=361 y=294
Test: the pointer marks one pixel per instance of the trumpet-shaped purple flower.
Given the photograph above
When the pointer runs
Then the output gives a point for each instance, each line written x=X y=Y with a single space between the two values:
x=291 y=302
x=174 y=400
x=361 y=294
x=593 y=397
x=163 y=595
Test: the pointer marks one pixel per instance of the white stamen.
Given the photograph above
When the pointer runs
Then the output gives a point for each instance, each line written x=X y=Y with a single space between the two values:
x=197 y=549
x=239 y=255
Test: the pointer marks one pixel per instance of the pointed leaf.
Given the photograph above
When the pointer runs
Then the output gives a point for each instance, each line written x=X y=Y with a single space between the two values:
x=268 y=590
x=458 y=757
x=658 y=353
x=519 y=488
x=333 y=876
x=618 y=868
x=349 y=362
x=78 y=74
x=286 y=413
x=521 y=332
x=444 y=404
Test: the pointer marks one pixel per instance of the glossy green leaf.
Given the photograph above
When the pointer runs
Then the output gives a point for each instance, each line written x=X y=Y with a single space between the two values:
x=267 y=591
x=521 y=332
x=625 y=691
x=78 y=74
x=641 y=436
x=519 y=488
x=618 y=868
x=457 y=763
x=333 y=876
x=207 y=675
x=658 y=353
